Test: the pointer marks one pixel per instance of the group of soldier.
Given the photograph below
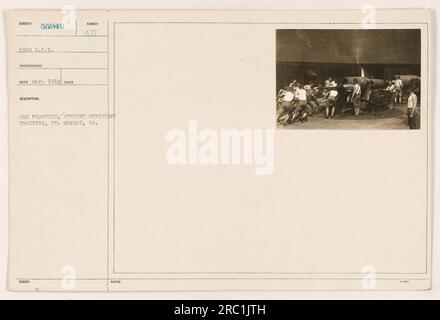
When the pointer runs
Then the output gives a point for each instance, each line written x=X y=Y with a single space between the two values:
x=297 y=102
x=395 y=87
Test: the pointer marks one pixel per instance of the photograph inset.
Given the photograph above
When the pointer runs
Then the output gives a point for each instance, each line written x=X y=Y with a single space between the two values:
x=348 y=79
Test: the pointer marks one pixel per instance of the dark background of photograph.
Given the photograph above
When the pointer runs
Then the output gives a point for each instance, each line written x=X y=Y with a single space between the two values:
x=315 y=55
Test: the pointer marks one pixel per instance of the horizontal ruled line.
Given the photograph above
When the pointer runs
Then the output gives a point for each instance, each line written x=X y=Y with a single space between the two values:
x=64 y=84
x=36 y=68
x=267 y=278
x=60 y=35
x=49 y=52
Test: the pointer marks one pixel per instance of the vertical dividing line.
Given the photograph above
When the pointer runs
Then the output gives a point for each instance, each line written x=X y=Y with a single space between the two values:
x=428 y=232
x=108 y=149
x=114 y=134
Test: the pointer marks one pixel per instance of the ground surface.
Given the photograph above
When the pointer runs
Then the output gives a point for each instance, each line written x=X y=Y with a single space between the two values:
x=385 y=119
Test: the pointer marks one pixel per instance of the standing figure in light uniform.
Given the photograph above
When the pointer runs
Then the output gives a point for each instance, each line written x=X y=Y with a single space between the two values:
x=302 y=109
x=392 y=89
x=399 y=90
x=330 y=106
x=411 y=111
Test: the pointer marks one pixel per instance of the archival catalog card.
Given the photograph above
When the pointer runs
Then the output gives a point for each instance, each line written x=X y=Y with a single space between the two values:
x=219 y=150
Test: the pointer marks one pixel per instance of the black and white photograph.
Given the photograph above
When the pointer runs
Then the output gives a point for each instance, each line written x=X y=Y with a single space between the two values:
x=348 y=79
x=231 y=153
